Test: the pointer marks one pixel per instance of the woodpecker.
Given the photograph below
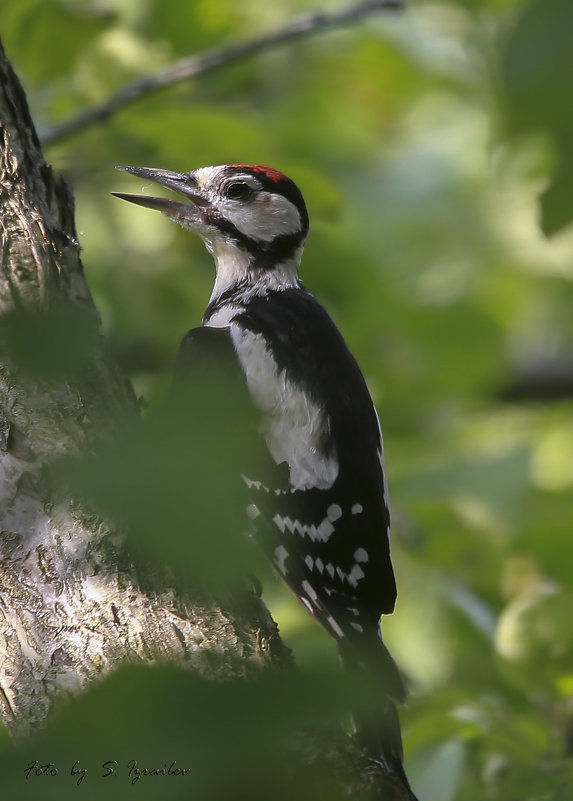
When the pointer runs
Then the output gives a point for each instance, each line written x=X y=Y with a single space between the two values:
x=324 y=521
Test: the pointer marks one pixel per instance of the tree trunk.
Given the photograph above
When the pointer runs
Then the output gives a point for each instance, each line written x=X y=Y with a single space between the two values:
x=70 y=610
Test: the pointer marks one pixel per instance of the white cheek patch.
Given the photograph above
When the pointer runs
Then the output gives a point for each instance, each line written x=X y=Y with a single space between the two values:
x=264 y=218
x=293 y=425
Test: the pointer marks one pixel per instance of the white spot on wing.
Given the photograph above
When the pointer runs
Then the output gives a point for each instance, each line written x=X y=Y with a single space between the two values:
x=357 y=508
x=356 y=626
x=293 y=526
x=355 y=575
x=281 y=555
x=256 y=485
x=293 y=424
x=308 y=604
x=253 y=511
x=304 y=531
x=361 y=555
x=324 y=530
x=334 y=512
x=285 y=522
x=330 y=569
x=309 y=589
x=289 y=524
x=334 y=626
x=280 y=522
x=309 y=561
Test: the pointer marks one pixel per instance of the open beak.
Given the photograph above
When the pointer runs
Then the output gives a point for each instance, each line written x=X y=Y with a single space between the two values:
x=182 y=182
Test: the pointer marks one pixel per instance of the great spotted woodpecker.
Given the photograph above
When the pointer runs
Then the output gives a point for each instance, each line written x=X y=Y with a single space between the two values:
x=324 y=522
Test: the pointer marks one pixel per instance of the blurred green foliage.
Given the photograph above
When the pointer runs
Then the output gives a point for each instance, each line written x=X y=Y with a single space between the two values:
x=132 y=735
x=53 y=343
x=422 y=142
x=536 y=64
x=156 y=479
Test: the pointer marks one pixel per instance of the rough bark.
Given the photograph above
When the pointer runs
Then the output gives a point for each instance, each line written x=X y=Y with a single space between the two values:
x=70 y=610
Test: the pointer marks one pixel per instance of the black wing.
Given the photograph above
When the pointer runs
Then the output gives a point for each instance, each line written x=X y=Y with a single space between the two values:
x=308 y=347
x=330 y=545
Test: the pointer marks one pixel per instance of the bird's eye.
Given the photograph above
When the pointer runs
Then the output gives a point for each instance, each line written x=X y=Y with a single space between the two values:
x=238 y=191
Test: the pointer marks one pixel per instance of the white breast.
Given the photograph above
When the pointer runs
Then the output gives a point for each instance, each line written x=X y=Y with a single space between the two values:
x=293 y=425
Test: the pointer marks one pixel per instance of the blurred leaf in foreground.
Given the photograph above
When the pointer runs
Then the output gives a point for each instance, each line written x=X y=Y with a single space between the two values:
x=536 y=71
x=174 y=481
x=169 y=734
x=52 y=343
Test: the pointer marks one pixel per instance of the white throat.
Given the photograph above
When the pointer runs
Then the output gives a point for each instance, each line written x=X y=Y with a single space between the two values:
x=233 y=268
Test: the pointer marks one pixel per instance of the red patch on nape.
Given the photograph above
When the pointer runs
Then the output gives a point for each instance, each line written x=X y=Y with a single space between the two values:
x=270 y=172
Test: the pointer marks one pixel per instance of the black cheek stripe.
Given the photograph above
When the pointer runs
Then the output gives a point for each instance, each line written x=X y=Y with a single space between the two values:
x=264 y=255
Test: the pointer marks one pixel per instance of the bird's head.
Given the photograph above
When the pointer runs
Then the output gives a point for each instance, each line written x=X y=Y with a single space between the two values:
x=248 y=215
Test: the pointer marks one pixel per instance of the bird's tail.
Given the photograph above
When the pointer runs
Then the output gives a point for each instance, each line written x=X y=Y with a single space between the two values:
x=369 y=665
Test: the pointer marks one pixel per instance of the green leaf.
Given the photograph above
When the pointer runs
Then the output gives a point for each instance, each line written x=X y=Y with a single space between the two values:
x=536 y=67
x=174 y=481
x=164 y=732
x=55 y=342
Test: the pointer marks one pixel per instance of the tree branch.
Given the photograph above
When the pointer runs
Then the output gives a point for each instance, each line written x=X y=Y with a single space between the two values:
x=193 y=66
x=540 y=380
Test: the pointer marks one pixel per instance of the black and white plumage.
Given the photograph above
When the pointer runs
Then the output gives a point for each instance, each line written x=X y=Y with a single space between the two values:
x=321 y=513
